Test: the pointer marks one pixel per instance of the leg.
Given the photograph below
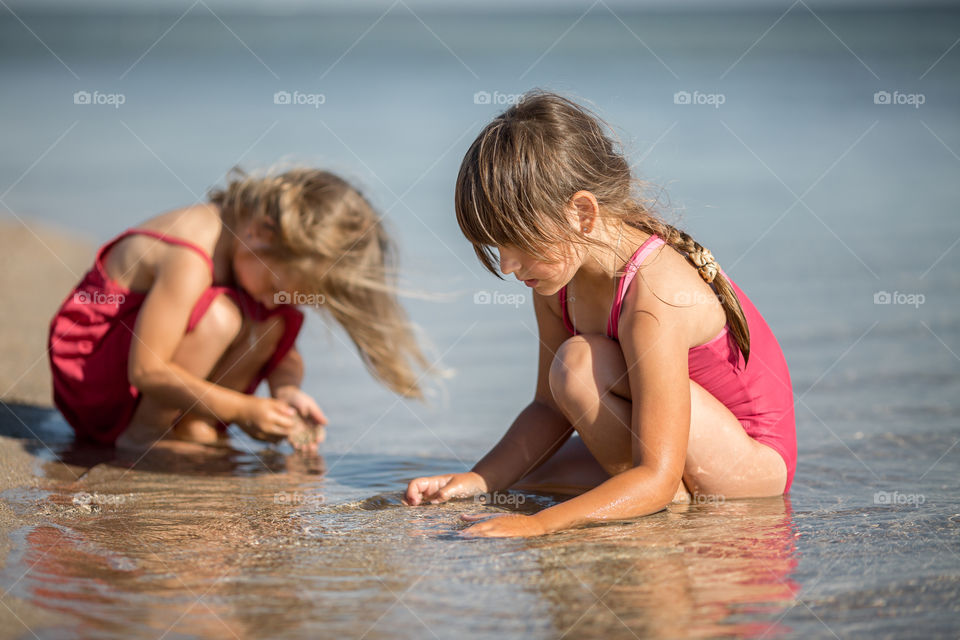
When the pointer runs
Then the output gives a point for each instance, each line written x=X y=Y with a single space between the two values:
x=590 y=384
x=198 y=352
x=238 y=367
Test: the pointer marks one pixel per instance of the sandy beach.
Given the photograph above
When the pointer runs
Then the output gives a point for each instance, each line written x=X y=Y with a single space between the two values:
x=811 y=147
x=38 y=266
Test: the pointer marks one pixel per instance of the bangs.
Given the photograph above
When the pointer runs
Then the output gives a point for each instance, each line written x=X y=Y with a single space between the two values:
x=494 y=210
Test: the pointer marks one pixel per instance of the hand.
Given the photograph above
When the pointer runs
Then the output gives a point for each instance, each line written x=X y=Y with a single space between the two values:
x=437 y=489
x=267 y=419
x=308 y=430
x=502 y=526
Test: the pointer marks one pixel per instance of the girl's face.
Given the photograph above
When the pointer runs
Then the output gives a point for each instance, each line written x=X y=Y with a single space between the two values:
x=263 y=278
x=545 y=278
x=260 y=277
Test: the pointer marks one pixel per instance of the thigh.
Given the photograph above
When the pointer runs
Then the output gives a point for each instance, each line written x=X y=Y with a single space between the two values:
x=722 y=459
x=249 y=353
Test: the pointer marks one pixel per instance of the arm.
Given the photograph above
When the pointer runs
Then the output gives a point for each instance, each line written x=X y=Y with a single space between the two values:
x=181 y=277
x=285 y=381
x=540 y=429
x=535 y=435
x=161 y=324
x=288 y=372
x=655 y=343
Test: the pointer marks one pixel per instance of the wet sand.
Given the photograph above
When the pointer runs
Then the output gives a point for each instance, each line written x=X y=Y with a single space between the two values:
x=38 y=265
x=257 y=541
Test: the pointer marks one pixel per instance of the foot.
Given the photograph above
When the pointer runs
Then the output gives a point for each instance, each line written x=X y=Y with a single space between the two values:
x=198 y=430
x=138 y=437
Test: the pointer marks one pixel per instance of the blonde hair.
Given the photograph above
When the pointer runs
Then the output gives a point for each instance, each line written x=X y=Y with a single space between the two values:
x=330 y=239
x=518 y=176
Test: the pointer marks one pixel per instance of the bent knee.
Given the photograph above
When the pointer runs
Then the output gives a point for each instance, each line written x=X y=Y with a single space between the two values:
x=222 y=320
x=573 y=373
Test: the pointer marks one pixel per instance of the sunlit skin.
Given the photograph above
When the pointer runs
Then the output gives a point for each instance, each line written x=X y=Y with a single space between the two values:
x=263 y=278
x=204 y=371
x=648 y=432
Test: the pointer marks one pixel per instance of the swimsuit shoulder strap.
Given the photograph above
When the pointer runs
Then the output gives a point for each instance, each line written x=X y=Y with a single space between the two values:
x=563 y=310
x=629 y=271
x=164 y=238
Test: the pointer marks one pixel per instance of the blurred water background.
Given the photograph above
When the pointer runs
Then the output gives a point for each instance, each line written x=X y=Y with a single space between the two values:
x=817 y=157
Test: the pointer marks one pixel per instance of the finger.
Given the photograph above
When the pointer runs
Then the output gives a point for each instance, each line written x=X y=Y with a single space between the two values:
x=476 y=531
x=448 y=492
x=428 y=487
x=476 y=517
x=282 y=422
x=414 y=493
x=317 y=415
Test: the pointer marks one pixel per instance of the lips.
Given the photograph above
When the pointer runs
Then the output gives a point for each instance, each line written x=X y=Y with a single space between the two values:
x=532 y=282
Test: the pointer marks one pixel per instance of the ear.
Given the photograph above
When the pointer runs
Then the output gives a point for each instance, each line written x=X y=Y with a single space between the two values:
x=584 y=207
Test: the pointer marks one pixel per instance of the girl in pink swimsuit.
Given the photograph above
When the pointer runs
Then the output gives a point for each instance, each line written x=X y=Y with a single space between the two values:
x=167 y=338
x=673 y=382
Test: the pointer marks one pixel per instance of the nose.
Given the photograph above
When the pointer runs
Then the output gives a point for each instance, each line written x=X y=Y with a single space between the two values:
x=508 y=264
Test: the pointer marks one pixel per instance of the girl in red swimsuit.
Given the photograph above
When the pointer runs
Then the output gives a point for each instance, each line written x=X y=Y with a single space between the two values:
x=665 y=370
x=181 y=318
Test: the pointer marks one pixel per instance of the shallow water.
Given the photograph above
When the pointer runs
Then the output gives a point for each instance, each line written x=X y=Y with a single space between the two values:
x=264 y=543
x=258 y=541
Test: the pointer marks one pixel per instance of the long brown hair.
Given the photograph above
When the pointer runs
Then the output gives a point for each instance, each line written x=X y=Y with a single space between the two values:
x=519 y=174
x=329 y=237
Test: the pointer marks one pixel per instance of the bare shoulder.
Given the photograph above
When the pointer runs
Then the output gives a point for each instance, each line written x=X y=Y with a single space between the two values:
x=668 y=289
x=134 y=261
x=200 y=224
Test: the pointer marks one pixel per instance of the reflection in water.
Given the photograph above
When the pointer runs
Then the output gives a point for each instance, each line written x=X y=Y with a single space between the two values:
x=239 y=544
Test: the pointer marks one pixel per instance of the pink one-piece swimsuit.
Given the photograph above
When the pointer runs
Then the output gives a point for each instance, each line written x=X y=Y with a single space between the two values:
x=758 y=393
x=91 y=333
